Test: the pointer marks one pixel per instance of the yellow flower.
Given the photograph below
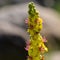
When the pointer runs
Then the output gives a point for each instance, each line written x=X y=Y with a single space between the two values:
x=37 y=46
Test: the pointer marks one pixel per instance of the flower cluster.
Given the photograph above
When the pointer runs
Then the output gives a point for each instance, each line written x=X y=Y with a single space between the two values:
x=35 y=46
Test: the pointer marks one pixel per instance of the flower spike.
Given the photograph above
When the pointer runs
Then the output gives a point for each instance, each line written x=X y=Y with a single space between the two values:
x=35 y=46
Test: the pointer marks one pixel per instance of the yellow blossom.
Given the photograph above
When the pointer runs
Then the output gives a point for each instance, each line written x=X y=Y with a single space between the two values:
x=36 y=48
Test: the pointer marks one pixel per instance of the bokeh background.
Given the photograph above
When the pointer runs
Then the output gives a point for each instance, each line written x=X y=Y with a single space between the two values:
x=14 y=12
